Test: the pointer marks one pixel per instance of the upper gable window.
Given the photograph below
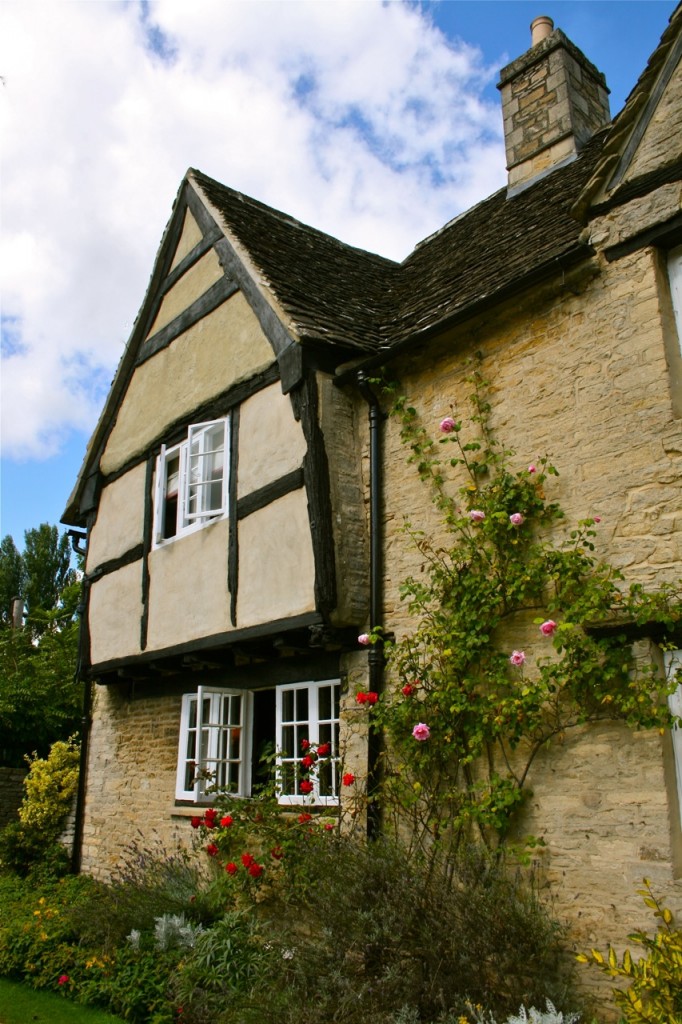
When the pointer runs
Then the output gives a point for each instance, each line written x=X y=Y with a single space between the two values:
x=191 y=481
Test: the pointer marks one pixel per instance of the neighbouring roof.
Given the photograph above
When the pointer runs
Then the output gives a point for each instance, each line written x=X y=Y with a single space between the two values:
x=335 y=293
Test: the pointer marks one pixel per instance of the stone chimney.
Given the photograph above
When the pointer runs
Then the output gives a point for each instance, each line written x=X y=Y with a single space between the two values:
x=553 y=101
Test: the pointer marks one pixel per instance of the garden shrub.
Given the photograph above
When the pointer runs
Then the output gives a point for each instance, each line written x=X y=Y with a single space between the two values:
x=50 y=788
x=227 y=959
x=654 y=995
x=150 y=882
x=375 y=933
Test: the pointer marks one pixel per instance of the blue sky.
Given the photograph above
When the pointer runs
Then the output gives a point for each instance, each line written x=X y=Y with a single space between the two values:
x=375 y=122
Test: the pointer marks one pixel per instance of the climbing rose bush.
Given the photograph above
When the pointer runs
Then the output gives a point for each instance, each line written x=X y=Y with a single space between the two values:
x=508 y=556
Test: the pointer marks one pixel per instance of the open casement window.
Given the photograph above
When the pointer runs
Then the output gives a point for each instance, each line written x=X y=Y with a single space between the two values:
x=308 y=712
x=205 y=477
x=214 y=743
x=673 y=664
x=191 y=481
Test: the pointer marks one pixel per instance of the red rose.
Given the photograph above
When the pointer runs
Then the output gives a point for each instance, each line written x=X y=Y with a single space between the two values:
x=303 y=818
x=361 y=697
x=408 y=689
x=63 y=978
x=255 y=870
x=324 y=749
x=328 y=827
x=305 y=744
x=372 y=698
x=195 y=822
x=277 y=852
x=248 y=860
x=231 y=868
x=367 y=697
x=210 y=814
x=306 y=786
x=212 y=850
x=348 y=779
x=307 y=761
x=226 y=821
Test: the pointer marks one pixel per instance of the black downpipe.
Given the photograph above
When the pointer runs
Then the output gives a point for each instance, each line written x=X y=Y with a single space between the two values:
x=376 y=660
x=77 y=848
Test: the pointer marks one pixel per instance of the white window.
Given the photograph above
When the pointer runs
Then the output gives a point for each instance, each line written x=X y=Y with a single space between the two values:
x=191 y=481
x=673 y=664
x=214 y=743
x=308 y=713
x=675 y=277
x=224 y=732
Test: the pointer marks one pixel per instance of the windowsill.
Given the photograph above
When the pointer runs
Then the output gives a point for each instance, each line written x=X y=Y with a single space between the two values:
x=196 y=810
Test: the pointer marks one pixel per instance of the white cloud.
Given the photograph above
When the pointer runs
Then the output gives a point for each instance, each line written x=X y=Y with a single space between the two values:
x=356 y=117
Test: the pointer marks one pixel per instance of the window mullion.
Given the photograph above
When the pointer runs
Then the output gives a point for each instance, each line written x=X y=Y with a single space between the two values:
x=198 y=777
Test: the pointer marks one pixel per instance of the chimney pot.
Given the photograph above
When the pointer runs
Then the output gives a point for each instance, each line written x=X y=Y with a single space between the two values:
x=540 y=28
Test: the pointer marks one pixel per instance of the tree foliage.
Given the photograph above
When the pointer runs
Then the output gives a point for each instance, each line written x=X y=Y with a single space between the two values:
x=40 y=700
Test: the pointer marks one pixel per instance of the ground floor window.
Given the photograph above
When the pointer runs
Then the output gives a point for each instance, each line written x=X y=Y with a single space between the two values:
x=225 y=735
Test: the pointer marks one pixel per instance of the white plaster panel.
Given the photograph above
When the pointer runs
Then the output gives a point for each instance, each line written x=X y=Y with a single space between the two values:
x=114 y=614
x=222 y=349
x=120 y=517
x=191 y=236
x=188 y=596
x=191 y=286
x=271 y=441
x=276 y=564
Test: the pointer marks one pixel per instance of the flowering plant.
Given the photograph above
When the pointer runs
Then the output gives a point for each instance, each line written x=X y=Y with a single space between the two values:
x=501 y=563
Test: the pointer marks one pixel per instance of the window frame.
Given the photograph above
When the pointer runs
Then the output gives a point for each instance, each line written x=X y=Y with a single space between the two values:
x=187 y=522
x=674 y=266
x=313 y=723
x=214 y=729
x=672 y=661
x=208 y=751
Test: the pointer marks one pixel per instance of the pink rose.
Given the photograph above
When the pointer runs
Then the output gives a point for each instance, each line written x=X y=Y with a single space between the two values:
x=421 y=732
x=596 y=519
x=63 y=979
x=532 y=468
x=447 y=425
x=364 y=639
x=548 y=628
x=517 y=658
x=516 y=519
x=476 y=515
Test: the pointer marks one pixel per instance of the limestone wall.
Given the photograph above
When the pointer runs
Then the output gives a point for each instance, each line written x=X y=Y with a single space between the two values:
x=131 y=774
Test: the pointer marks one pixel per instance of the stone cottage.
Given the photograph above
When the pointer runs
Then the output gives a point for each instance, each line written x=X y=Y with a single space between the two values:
x=243 y=492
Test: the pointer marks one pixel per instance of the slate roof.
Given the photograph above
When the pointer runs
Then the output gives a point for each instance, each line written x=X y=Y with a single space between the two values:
x=338 y=294
x=333 y=292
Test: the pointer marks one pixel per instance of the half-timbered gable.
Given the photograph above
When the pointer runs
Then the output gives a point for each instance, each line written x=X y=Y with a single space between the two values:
x=209 y=499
